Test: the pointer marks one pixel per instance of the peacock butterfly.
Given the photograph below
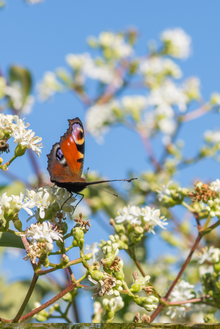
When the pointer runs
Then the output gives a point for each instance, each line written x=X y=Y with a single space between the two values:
x=65 y=161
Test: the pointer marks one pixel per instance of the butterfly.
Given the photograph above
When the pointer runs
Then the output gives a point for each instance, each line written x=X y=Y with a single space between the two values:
x=66 y=159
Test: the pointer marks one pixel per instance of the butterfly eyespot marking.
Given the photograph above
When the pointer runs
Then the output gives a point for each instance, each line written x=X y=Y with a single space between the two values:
x=60 y=156
x=78 y=134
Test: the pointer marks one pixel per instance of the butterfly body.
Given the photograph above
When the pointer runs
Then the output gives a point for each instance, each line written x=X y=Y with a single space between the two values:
x=66 y=159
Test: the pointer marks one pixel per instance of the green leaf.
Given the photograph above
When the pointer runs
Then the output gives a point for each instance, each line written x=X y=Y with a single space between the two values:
x=23 y=77
x=8 y=239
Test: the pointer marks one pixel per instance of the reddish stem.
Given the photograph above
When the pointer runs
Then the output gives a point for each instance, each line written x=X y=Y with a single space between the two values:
x=161 y=305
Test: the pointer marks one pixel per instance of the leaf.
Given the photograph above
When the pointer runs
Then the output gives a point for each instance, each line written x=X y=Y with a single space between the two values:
x=8 y=239
x=23 y=77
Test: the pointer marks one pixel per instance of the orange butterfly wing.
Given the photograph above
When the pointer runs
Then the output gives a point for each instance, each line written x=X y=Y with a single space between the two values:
x=66 y=159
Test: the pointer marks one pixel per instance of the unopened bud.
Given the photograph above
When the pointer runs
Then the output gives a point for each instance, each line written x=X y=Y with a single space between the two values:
x=64 y=260
x=20 y=150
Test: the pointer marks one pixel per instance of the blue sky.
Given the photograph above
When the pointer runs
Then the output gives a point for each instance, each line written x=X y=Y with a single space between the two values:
x=39 y=37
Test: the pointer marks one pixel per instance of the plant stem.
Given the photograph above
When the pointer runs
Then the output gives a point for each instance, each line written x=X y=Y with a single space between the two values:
x=29 y=293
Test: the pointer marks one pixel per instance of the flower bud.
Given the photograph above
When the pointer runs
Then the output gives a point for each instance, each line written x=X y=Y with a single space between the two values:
x=40 y=318
x=95 y=274
x=88 y=256
x=78 y=236
x=8 y=214
x=20 y=150
x=17 y=224
x=64 y=260
x=51 y=310
x=57 y=307
x=67 y=297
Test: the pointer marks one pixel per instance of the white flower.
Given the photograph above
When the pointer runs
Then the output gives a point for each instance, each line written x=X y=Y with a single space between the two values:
x=77 y=62
x=141 y=216
x=155 y=68
x=4 y=202
x=94 y=249
x=177 y=43
x=163 y=191
x=99 y=117
x=215 y=99
x=27 y=139
x=36 y=249
x=212 y=136
x=6 y=121
x=101 y=287
x=48 y=86
x=18 y=203
x=94 y=69
x=40 y=199
x=181 y=292
x=168 y=93
x=133 y=104
x=129 y=214
x=113 y=304
x=191 y=87
x=44 y=232
x=152 y=218
x=17 y=128
x=116 y=43
x=14 y=91
x=215 y=186
x=210 y=255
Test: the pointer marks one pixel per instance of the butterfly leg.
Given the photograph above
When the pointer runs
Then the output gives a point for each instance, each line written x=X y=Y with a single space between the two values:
x=82 y=196
x=66 y=200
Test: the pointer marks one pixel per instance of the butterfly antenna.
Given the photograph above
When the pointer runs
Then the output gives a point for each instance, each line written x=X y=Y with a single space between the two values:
x=87 y=171
x=99 y=188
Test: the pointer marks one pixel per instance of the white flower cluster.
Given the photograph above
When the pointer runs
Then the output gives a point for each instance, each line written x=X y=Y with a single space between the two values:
x=168 y=94
x=107 y=285
x=212 y=137
x=46 y=196
x=42 y=199
x=181 y=292
x=95 y=250
x=49 y=86
x=177 y=43
x=44 y=232
x=85 y=66
x=18 y=130
x=153 y=112
x=113 y=304
x=133 y=104
x=14 y=92
x=213 y=206
x=141 y=216
x=99 y=117
x=156 y=68
x=163 y=191
x=215 y=186
x=114 y=45
x=211 y=255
